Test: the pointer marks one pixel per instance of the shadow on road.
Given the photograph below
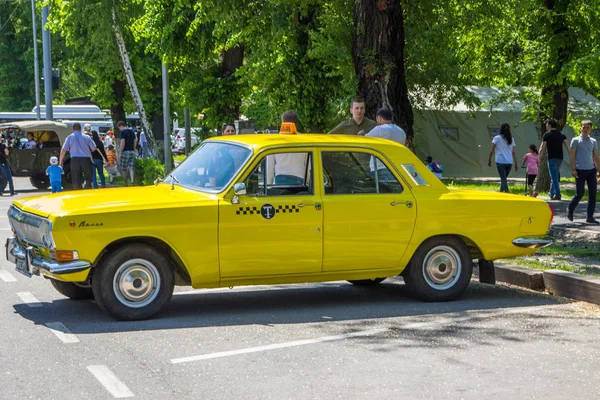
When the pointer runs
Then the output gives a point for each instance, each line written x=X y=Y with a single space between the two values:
x=289 y=304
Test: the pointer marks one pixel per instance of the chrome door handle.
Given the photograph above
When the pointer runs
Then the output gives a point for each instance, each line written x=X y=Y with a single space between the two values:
x=317 y=205
x=408 y=204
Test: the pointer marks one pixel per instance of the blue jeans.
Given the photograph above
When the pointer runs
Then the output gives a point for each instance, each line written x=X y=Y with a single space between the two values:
x=56 y=186
x=99 y=167
x=554 y=170
x=6 y=175
x=288 y=180
x=585 y=176
x=503 y=171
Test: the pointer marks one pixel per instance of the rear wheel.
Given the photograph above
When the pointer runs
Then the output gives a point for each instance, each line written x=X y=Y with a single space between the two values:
x=134 y=282
x=40 y=181
x=73 y=291
x=440 y=269
x=367 y=282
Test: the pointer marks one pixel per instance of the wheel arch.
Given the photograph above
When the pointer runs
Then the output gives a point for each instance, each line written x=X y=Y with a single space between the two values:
x=474 y=249
x=182 y=276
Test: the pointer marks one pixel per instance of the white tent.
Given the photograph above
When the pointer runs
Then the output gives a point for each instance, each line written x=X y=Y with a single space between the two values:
x=460 y=139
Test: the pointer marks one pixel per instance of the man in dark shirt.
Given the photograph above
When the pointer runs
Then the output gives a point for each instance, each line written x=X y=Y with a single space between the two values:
x=5 y=174
x=127 y=151
x=553 y=142
x=358 y=124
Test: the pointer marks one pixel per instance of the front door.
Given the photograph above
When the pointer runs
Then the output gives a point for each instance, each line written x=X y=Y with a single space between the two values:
x=277 y=227
x=368 y=214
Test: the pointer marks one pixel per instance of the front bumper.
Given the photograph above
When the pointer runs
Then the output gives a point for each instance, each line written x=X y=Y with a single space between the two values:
x=28 y=263
x=532 y=242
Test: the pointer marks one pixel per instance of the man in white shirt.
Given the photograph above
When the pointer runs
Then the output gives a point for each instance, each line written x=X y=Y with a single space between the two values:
x=386 y=130
x=287 y=168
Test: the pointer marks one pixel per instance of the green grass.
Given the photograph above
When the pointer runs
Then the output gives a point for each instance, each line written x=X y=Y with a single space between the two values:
x=179 y=157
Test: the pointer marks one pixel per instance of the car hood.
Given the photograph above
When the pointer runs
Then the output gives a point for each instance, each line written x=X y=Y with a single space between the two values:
x=97 y=201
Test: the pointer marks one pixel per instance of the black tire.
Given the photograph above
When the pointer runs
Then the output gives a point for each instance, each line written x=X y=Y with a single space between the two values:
x=440 y=269
x=367 y=282
x=134 y=282
x=72 y=290
x=40 y=182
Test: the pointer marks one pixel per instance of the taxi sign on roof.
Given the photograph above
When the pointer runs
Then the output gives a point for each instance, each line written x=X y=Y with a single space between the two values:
x=288 y=128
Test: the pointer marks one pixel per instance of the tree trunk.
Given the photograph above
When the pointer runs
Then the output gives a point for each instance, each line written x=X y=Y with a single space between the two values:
x=378 y=52
x=233 y=59
x=555 y=97
x=131 y=79
x=117 y=110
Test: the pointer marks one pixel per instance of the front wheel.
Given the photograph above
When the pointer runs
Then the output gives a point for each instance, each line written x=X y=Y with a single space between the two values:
x=73 y=290
x=134 y=282
x=440 y=269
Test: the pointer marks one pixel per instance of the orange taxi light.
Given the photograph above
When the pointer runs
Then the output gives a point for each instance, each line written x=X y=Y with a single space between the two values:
x=288 y=128
x=65 y=255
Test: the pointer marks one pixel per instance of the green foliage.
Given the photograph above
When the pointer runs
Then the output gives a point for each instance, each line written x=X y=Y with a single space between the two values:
x=147 y=170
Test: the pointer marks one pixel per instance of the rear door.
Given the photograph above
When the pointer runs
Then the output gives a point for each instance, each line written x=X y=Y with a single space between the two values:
x=369 y=216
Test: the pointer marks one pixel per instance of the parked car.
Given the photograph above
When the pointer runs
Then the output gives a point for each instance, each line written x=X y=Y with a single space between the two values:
x=337 y=220
x=49 y=137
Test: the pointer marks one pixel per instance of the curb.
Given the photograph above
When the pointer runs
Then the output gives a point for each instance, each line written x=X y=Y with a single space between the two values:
x=555 y=282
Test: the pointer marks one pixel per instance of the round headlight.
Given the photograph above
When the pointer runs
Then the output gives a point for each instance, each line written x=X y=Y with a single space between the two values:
x=47 y=239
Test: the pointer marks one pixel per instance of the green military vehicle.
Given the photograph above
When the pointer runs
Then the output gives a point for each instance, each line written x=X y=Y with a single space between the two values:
x=49 y=137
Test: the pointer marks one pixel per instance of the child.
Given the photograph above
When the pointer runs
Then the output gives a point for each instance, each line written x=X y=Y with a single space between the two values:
x=111 y=163
x=531 y=159
x=55 y=172
x=434 y=167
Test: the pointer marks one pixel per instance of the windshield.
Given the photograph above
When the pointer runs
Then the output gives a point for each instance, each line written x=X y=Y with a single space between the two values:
x=211 y=167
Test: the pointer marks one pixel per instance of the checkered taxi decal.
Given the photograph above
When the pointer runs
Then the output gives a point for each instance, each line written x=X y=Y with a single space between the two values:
x=268 y=211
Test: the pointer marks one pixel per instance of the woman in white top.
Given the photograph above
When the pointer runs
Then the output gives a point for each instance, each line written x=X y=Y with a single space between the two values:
x=504 y=147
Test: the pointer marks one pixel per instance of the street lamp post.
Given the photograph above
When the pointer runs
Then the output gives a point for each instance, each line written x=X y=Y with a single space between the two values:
x=36 y=64
x=47 y=62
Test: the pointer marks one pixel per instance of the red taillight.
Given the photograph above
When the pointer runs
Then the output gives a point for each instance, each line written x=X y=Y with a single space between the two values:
x=551 y=211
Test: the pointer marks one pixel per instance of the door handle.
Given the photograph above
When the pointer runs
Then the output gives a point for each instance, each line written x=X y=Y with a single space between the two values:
x=316 y=205
x=408 y=204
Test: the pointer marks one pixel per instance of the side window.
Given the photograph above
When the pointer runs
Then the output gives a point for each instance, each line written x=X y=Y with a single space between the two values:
x=282 y=174
x=346 y=173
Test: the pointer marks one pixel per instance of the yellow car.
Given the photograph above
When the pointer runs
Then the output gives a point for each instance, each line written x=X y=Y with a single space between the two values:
x=271 y=209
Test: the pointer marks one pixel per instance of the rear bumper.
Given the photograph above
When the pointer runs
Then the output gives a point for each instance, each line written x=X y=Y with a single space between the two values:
x=34 y=264
x=532 y=242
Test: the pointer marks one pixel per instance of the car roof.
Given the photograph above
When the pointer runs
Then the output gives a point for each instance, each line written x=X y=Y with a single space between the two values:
x=307 y=139
x=61 y=130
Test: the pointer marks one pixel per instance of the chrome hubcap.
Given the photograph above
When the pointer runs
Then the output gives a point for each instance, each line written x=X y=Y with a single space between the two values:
x=442 y=267
x=136 y=283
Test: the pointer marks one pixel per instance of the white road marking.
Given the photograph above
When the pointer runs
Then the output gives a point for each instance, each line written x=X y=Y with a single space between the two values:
x=29 y=299
x=62 y=332
x=7 y=276
x=278 y=346
x=110 y=381
x=439 y=320
x=5 y=229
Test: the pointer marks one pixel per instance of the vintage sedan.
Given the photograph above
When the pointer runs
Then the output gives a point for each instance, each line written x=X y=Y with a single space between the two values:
x=271 y=209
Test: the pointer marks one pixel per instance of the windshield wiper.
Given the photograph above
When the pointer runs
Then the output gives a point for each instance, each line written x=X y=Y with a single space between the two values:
x=173 y=181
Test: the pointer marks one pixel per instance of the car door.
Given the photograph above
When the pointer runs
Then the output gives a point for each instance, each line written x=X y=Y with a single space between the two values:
x=368 y=215
x=277 y=228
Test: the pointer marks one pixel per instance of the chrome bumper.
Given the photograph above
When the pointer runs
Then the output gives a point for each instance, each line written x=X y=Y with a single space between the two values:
x=28 y=263
x=532 y=243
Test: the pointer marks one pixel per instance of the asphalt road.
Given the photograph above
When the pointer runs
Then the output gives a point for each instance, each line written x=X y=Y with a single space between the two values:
x=318 y=341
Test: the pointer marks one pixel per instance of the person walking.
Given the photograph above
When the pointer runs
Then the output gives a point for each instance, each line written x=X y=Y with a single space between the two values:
x=127 y=147
x=358 y=124
x=55 y=173
x=80 y=147
x=584 y=166
x=386 y=130
x=531 y=160
x=553 y=142
x=99 y=158
x=5 y=173
x=503 y=145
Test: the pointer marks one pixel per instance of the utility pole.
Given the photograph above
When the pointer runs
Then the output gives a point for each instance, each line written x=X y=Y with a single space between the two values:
x=166 y=117
x=36 y=63
x=188 y=130
x=47 y=63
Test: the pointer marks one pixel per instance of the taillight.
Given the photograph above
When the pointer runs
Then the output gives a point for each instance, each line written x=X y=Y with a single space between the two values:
x=552 y=212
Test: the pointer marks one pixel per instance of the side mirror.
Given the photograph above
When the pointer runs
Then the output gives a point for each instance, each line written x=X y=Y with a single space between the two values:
x=239 y=189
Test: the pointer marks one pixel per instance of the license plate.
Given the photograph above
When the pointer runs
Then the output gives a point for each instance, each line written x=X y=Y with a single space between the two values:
x=22 y=268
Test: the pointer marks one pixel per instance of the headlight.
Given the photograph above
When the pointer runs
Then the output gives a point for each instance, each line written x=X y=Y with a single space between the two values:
x=47 y=238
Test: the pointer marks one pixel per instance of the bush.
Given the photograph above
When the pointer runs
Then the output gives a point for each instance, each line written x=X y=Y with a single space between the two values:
x=147 y=170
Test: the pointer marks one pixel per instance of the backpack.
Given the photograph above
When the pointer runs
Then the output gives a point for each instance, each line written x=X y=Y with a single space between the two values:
x=437 y=167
